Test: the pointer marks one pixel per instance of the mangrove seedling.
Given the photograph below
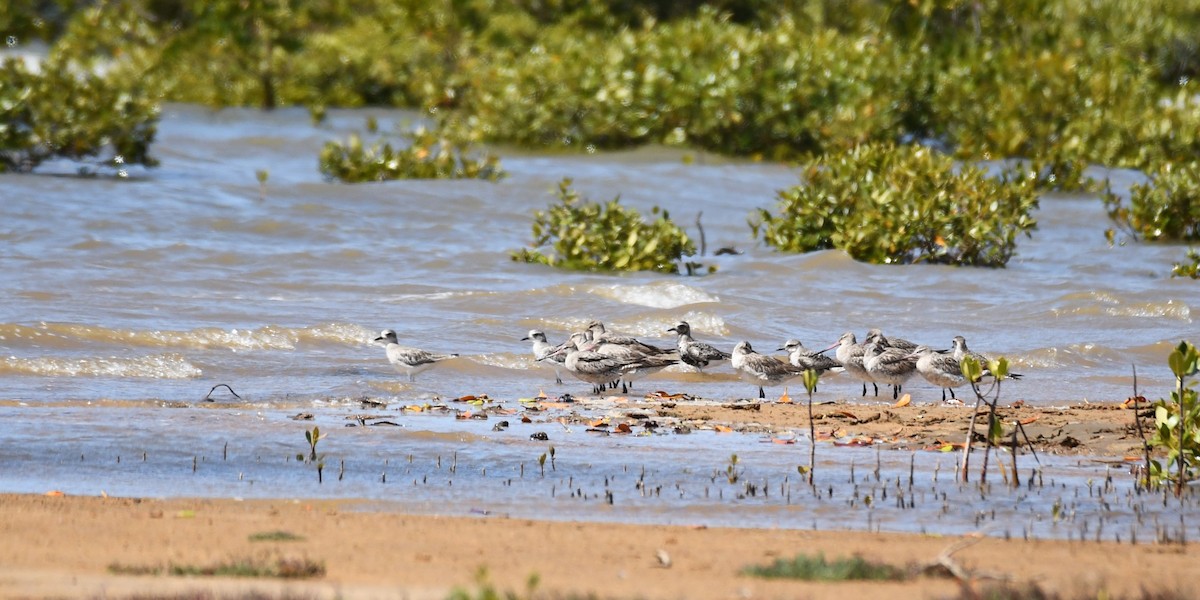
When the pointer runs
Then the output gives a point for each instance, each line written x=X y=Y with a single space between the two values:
x=732 y=473
x=810 y=384
x=312 y=436
x=1177 y=423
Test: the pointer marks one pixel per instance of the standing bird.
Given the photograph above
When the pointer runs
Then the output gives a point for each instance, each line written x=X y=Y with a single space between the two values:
x=961 y=350
x=802 y=357
x=760 y=369
x=409 y=361
x=542 y=350
x=939 y=368
x=888 y=365
x=691 y=352
x=612 y=341
x=890 y=342
x=602 y=369
x=850 y=355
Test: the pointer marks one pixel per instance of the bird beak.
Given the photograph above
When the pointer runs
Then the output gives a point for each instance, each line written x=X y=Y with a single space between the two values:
x=525 y=339
x=672 y=330
x=379 y=339
x=781 y=349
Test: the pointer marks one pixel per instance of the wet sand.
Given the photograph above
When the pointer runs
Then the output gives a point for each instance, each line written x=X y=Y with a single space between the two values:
x=60 y=546
x=66 y=546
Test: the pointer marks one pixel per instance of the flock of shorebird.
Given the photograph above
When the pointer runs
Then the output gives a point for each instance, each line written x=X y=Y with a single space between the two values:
x=606 y=360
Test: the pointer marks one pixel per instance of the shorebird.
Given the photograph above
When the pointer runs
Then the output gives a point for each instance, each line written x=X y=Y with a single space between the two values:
x=409 y=361
x=850 y=356
x=611 y=342
x=961 y=350
x=939 y=368
x=890 y=342
x=603 y=369
x=691 y=352
x=542 y=350
x=761 y=369
x=888 y=365
x=802 y=357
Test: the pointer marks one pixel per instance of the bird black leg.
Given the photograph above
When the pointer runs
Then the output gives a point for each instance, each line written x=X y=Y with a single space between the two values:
x=624 y=388
x=944 y=394
x=952 y=396
x=864 y=389
x=895 y=392
x=761 y=393
x=876 y=388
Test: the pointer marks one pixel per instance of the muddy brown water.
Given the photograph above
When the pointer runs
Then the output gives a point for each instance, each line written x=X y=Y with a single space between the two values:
x=126 y=301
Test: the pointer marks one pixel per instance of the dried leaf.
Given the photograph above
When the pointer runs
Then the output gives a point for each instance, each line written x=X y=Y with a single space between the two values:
x=848 y=415
x=1029 y=420
x=783 y=441
x=55 y=493
x=723 y=428
x=623 y=428
x=905 y=400
x=526 y=419
x=598 y=423
x=463 y=415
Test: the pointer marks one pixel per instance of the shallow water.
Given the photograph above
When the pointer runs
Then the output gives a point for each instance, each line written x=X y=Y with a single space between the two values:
x=125 y=297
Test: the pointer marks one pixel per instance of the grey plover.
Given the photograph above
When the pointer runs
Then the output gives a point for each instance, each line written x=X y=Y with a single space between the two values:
x=542 y=350
x=761 y=369
x=611 y=342
x=693 y=353
x=409 y=361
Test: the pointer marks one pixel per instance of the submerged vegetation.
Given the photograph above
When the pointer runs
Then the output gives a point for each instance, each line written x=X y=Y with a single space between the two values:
x=588 y=236
x=427 y=154
x=886 y=204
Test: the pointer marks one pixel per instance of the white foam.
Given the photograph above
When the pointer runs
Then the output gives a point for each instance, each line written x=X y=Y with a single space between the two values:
x=655 y=295
x=156 y=366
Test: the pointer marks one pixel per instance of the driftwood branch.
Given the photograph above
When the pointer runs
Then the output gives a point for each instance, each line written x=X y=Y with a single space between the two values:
x=945 y=562
x=208 y=396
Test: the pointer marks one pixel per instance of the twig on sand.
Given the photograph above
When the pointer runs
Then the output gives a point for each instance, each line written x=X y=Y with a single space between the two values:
x=945 y=561
x=1137 y=423
x=208 y=396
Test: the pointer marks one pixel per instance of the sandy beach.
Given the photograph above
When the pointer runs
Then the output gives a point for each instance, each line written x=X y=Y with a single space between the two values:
x=75 y=546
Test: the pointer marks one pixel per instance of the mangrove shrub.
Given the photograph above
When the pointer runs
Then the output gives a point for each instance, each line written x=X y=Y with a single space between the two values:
x=60 y=111
x=1167 y=208
x=901 y=204
x=1190 y=267
x=575 y=233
